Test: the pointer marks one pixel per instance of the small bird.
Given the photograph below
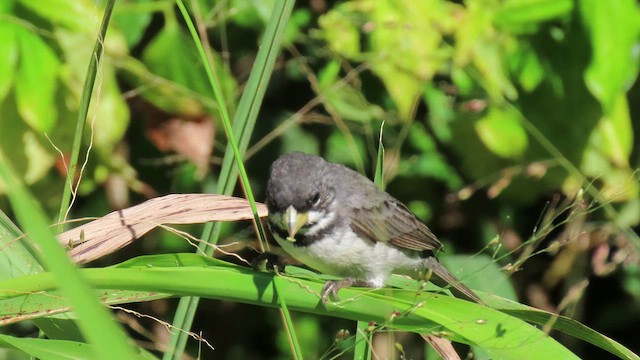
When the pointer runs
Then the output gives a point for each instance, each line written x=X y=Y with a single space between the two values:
x=338 y=222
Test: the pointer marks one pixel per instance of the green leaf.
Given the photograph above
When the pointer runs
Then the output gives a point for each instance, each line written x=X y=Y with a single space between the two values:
x=502 y=133
x=528 y=69
x=344 y=98
x=252 y=13
x=501 y=335
x=8 y=56
x=613 y=27
x=171 y=55
x=22 y=145
x=429 y=162
x=480 y=272
x=344 y=150
x=340 y=32
x=297 y=138
x=521 y=15
x=36 y=82
x=54 y=349
x=95 y=321
x=77 y=16
x=133 y=21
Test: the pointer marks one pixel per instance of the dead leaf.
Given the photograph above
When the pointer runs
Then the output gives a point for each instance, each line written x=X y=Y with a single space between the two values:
x=442 y=346
x=192 y=138
x=119 y=228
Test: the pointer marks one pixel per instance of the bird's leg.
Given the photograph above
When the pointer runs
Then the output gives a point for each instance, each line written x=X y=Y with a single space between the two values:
x=331 y=288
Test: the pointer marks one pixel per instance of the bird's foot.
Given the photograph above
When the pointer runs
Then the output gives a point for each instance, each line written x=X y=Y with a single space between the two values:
x=331 y=288
x=268 y=261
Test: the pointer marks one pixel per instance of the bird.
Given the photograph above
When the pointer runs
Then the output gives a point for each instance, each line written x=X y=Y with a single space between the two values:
x=338 y=222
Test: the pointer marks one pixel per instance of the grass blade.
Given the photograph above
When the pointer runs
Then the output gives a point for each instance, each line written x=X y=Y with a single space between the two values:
x=244 y=121
x=94 y=320
x=87 y=91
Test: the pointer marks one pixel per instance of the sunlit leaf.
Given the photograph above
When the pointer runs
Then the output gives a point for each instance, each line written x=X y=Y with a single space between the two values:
x=614 y=28
x=502 y=133
x=8 y=57
x=36 y=81
x=526 y=15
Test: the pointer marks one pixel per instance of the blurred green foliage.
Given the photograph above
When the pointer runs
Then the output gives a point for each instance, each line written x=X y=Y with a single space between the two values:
x=491 y=107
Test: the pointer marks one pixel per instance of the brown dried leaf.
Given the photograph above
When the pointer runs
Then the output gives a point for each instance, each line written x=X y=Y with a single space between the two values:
x=192 y=138
x=442 y=346
x=119 y=228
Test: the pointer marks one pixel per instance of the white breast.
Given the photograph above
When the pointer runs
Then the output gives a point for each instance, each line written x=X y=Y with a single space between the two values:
x=349 y=256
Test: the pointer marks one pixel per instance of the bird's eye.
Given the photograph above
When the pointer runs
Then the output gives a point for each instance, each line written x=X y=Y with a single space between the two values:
x=315 y=199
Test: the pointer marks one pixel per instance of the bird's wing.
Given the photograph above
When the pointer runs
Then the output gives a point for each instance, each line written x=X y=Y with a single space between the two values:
x=392 y=222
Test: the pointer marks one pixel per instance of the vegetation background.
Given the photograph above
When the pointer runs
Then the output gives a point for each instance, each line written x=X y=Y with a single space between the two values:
x=510 y=127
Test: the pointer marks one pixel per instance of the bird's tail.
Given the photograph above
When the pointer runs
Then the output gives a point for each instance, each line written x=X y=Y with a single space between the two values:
x=443 y=278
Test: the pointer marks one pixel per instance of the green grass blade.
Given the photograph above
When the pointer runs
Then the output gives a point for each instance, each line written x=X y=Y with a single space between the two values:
x=362 y=350
x=244 y=121
x=94 y=320
x=295 y=344
x=378 y=178
x=87 y=92
x=363 y=338
x=17 y=258
x=55 y=349
x=500 y=334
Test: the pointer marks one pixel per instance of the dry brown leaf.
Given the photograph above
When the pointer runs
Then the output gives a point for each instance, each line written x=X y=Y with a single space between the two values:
x=119 y=228
x=442 y=346
x=191 y=138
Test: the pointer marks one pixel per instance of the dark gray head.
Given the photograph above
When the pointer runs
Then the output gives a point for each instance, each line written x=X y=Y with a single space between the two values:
x=299 y=180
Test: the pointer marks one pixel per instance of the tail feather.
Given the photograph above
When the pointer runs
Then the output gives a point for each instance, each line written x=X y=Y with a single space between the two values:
x=443 y=278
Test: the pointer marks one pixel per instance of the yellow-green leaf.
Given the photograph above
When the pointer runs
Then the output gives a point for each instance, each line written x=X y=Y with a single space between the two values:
x=502 y=133
x=36 y=82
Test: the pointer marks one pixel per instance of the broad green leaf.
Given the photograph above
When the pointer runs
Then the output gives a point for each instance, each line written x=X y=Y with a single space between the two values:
x=480 y=272
x=6 y=6
x=479 y=46
x=522 y=15
x=527 y=67
x=132 y=20
x=340 y=32
x=351 y=104
x=23 y=146
x=252 y=13
x=344 y=98
x=171 y=56
x=404 y=44
x=36 y=82
x=614 y=30
x=501 y=335
x=16 y=258
x=612 y=139
x=55 y=349
x=8 y=57
x=297 y=138
x=406 y=41
x=428 y=162
x=502 y=133
x=94 y=320
x=39 y=159
x=345 y=150
x=108 y=112
x=441 y=112
x=74 y=15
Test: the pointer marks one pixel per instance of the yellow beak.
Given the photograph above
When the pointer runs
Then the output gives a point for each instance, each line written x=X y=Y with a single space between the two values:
x=294 y=221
